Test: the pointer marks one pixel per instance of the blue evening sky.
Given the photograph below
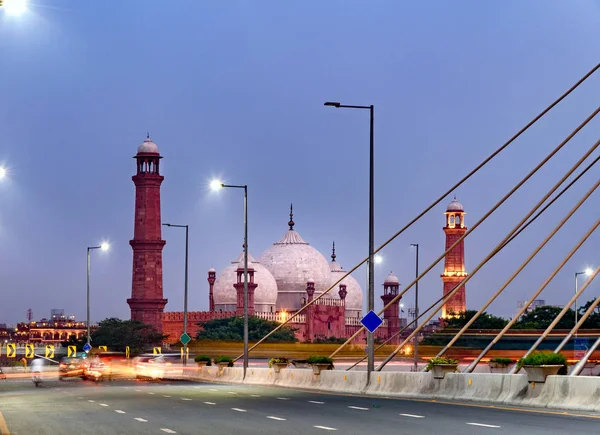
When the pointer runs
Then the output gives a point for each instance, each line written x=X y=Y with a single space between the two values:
x=235 y=89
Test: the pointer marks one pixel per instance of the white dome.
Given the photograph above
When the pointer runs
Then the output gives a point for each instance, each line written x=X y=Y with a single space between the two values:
x=148 y=147
x=455 y=206
x=292 y=261
x=392 y=279
x=266 y=291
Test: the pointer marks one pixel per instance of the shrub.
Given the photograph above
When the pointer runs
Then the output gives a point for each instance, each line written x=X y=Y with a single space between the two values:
x=439 y=361
x=274 y=361
x=543 y=358
x=501 y=360
x=316 y=359
x=203 y=358
x=223 y=358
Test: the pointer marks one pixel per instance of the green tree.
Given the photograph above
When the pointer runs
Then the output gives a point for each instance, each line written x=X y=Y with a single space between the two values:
x=116 y=334
x=484 y=321
x=542 y=317
x=232 y=329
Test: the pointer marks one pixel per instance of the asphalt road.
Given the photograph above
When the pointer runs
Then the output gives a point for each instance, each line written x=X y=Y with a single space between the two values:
x=129 y=407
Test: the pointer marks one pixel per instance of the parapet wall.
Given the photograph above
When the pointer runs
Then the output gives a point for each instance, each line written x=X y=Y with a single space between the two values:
x=559 y=392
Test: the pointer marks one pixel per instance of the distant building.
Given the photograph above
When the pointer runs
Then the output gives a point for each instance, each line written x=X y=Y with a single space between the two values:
x=534 y=304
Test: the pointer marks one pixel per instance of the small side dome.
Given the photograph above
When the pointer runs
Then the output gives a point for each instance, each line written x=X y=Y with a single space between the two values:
x=212 y=269
x=310 y=281
x=455 y=206
x=148 y=147
x=392 y=279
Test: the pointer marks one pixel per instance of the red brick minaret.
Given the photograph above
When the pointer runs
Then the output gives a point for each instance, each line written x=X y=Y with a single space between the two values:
x=147 y=302
x=391 y=287
x=454 y=265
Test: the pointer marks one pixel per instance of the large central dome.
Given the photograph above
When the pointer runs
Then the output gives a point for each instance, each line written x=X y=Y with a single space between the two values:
x=292 y=262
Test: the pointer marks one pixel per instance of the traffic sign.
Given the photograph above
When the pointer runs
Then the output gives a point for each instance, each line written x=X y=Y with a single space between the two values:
x=156 y=351
x=185 y=338
x=11 y=350
x=29 y=351
x=49 y=351
x=580 y=347
x=72 y=351
x=371 y=321
x=87 y=347
x=103 y=348
x=126 y=351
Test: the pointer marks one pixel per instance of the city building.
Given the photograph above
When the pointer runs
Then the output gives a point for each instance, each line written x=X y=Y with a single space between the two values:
x=532 y=306
x=284 y=278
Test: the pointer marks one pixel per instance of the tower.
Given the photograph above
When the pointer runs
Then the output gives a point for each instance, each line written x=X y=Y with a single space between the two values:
x=212 y=277
x=239 y=288
x=147 y=302
x=391 y=287
x=454 y=263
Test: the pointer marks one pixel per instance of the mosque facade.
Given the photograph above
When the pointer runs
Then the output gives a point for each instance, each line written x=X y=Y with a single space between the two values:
x=283 y=279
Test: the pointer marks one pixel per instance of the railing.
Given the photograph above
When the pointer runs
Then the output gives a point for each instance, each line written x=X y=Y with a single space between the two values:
x=331 y=302
x=280 y=317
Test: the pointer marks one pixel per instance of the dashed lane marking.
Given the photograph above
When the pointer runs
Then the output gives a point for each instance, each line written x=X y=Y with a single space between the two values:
x=254 y=395
x=118 y=411
x=167 y=396
x=412 y=415
x=283 y=398
x=325 y=427
x=484 y=425
x=141 y=419
x=210 y=403
x=359 y=408
x=150 y=393
x=316 y=402
x=212 y=389
x=137 y=390
x=102 y=404
x=275 y=418
x=164 y=429
x=91 y=401
x=238 y=409
x=185 y=398
x=231 y=392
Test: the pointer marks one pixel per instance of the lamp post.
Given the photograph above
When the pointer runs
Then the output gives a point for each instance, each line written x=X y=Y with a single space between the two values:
x=104 y=247
x=371 y=287
x=185 y=287
x=416 y=325
x=217 y=185
x=586 y=272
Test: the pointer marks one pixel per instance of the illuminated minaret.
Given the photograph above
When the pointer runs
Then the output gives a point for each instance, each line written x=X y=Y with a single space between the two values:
x=454 y=264
x=147 y=302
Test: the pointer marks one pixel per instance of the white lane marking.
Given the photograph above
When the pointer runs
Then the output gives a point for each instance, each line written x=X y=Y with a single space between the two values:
x=167 y=396
x=316 y=402
x=212 y=389
x=137 y=390
x=275 y=418
x=483 y=425
x=141 y=419
x=210 y=403
x=283 y=398
x=185 y=398
x=325 y=427
x=412 y=415
x=238 y=409
x=119 y=411
x=359 y=408
x=231 y=392
x=91 y=401
x=254 y=395
x=150 y=393
x=80 y=397
x=102 y=404
x=164 y=429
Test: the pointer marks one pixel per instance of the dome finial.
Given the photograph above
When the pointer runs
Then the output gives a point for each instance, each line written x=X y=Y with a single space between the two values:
x=148 y=135
x=291 y=222
x=333 y=252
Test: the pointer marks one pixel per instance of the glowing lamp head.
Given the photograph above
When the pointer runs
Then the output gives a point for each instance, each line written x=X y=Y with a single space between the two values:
x=378 y=259
x=105 y=246
x=589 y=271
x=216 y=185
x=2 y=172
x=15 y=7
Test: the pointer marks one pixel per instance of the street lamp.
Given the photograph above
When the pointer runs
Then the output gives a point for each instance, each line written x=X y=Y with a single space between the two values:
x=416 y=325
x=216 y=185
x=378 y=259
x=185 y=290
x=14 y=7
x=586 y=272
x=371 y=289
x=104 y=247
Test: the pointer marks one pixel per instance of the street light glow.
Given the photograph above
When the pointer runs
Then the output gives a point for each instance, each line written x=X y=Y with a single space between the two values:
x=378 y=259
x=15 y=7
x=105 y=246
x=2 y=172
x=589 y=271
x=216 y=184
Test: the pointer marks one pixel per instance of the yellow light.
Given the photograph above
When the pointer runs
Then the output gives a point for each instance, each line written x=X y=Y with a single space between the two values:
x=105 y=246
x=15 y=7
x=284 y=316
x=216 y=184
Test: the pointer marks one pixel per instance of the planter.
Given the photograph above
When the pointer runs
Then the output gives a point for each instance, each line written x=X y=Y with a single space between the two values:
x=496 y=367
x=201 y=364
x=318 y=367
x=539 y=373
x=222 y=365
x=278 y=366
x=440 y=370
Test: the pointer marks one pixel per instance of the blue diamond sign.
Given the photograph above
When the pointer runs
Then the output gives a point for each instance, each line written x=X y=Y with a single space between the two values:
x=87 y=347
x=185 y=339
x=371 y=321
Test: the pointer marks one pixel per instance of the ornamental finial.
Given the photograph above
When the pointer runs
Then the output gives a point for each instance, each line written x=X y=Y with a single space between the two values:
x=291 y=222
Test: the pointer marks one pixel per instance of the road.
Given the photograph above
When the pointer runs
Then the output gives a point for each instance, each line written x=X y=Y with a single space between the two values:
x=130 y=407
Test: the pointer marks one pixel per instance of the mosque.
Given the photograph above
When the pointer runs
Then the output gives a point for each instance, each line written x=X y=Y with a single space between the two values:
x=284 y=278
